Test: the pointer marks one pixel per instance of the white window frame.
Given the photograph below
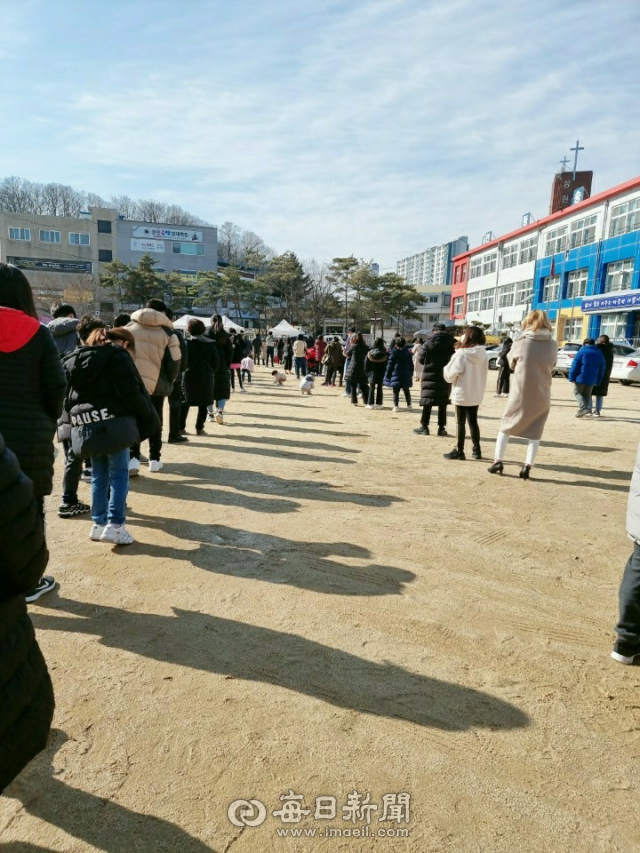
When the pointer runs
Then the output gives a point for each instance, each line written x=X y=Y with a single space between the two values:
x=551 y=288
x=577 y=281
x=79 y=241
x=528 y=250
x=510 y=256
x=473 y=302
x=487 y=298
x=583 y=231
x=625 y=217
x=556 y=240
x=489 y=263
x=506 y=295
x=574 y=325
x=458 y=305
x=619 y=270
x=199 y=248
x=619 y=323
x=475 y=268
x=524 y=291
x=50 y=232
x=24 y=234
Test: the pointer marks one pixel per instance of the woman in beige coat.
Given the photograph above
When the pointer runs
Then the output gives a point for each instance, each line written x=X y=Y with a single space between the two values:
x=532 y=359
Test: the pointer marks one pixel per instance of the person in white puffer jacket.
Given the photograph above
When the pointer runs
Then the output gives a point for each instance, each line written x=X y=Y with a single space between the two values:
x=627 y=646
x=467 y=372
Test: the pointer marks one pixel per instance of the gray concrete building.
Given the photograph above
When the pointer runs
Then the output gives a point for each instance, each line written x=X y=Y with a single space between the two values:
x=63 y=256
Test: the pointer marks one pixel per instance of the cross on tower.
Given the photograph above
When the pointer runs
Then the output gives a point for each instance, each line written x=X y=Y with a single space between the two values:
x=563 y=164
x=575 y=162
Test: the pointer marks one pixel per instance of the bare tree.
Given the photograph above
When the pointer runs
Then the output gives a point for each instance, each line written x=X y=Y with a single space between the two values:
x=150 y=210
x=320 y=301
x=125 y=206
x=229 y=237
x=94 y=200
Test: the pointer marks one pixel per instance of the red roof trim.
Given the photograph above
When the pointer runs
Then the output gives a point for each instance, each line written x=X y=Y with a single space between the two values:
x=633 y=184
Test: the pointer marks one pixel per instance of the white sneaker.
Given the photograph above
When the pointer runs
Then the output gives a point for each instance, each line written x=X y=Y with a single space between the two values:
x=243 y=390
x=409 y=406
x=118 y=533
x=497 y=395
x=395 y=409
x=211 y=417
x=155 y=465
x=369 y=407
x=219 y=418
x=134 y=467
x=345 y=394
x=96 y=532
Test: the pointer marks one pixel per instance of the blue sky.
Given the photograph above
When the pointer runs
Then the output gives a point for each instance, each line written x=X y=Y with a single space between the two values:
x=372 y=127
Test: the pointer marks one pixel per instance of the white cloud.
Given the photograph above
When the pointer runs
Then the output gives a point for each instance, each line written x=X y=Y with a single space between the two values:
x=370 y=127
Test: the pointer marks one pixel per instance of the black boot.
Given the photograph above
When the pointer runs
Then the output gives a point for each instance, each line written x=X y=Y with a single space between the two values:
x=476 y=453
x=422 y=431
x=442 y=431
x=496 y=468
x=524 y=473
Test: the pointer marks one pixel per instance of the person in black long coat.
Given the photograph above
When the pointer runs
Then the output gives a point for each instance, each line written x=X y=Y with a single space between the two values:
x=357 y=372
x=26 y=693
x=504 y=371
x=377 y=358
x=199 y=378
x=222 y=378
x=434 y=391
x=32 y=389
x=600 y=391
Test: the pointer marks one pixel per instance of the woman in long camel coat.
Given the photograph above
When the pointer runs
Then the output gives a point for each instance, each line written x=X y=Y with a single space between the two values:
x=532 y=359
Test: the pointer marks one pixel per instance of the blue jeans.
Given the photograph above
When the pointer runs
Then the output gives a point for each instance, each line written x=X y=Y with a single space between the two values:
x=110 y=472
x=347 y=382
x=301 y=366
x=599 y=402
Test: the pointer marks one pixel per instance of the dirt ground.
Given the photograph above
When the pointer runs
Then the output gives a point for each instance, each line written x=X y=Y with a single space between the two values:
x=318 y=603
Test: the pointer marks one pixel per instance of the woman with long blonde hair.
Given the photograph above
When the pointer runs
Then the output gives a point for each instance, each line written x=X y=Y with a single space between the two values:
x=532 y=359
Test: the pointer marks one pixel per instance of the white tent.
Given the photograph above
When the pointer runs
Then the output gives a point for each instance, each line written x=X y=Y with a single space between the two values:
x=229 y=326
x=183 y=322
x=284 y=329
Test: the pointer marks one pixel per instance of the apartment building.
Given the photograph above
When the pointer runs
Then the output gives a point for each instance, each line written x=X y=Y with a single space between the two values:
x=581 y=265
x=433 y=267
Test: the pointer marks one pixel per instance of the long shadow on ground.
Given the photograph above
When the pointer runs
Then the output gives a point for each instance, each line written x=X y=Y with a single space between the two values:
x=271 y=559
x=256 y=483
x=284 y=455
x=101 y=823
x=213 y=644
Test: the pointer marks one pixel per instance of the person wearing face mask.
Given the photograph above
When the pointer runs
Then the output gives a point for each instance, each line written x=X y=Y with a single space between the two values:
x=110 y=410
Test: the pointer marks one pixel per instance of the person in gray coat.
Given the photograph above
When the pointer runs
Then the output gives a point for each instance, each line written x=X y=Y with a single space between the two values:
x=63 y=328
x=627 y=646
x=532 y=359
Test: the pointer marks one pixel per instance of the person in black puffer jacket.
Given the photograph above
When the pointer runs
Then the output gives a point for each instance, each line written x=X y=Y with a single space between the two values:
x=199 y=378
x=504 y=371
x=110 y=410
x=32 y=383
x=436 y=352
x=399 y=373
x=32 y=387
x=26 y=693
x=357 y=372
x=600 y=391
x=377 y=358
x=222 y=378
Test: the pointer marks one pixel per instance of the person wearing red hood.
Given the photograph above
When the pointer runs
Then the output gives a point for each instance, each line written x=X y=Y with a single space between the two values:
x=32 y=388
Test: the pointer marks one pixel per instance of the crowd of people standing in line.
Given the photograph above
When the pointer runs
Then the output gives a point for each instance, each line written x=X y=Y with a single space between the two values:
x=104 y=391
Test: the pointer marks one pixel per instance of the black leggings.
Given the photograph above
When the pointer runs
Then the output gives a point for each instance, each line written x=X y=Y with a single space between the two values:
x=396 y=396
x=231 y=372
x=467 y=414
x=375 y=394
x=442 y=415
x=504 y=378
x=364 y=390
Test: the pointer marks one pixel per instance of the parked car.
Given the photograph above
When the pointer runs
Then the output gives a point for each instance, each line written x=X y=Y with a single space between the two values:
x=493 y=351
x=566 y=354
x=626 y=365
